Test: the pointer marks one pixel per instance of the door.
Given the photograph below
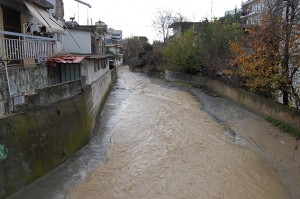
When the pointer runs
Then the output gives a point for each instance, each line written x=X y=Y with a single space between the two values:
x=12 y=23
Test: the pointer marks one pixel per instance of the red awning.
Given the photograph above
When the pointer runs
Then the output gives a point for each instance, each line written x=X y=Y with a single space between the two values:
x=65 y=59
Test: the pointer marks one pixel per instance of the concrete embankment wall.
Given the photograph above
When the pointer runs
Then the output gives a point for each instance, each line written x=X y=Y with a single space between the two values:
x=253 y=102
x=22 y=81
x=48 y=132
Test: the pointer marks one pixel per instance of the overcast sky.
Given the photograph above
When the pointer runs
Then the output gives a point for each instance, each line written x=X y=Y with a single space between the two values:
x=134 y=17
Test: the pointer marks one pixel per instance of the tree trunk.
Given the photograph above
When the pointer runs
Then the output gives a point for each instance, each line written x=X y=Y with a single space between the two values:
x=285 y=96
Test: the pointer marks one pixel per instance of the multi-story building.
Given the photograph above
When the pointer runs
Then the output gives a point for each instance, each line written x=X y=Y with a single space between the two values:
x=251 y=12
x=29 y=35
x=50 y=100
x=113 y=36
x=114 y=46
x=32 y=43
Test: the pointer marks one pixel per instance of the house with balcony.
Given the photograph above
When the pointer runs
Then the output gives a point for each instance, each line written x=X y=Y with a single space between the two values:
x=38 y=50
x=54 y=80
x=251 y=13
x=29 y=35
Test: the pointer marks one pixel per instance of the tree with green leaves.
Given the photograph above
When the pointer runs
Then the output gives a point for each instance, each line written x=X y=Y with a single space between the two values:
x=181 y=52
x=213 y=45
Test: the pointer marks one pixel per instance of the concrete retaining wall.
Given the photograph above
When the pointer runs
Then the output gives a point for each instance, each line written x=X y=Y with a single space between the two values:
x=41 y=138
x=22 y=81
x=254 y=102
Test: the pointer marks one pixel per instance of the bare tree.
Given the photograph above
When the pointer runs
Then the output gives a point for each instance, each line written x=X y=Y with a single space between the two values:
x=162 y=21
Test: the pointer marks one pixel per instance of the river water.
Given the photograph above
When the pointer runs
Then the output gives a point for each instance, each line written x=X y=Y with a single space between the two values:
x=161 y=145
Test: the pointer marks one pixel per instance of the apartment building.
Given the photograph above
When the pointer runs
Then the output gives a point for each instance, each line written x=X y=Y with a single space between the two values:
x=251 y=12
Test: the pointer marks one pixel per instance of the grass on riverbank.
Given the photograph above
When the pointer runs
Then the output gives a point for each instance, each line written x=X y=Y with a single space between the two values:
x=284 y=126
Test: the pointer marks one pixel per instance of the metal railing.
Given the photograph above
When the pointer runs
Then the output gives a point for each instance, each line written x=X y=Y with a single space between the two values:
x=24 y=46
x=18 y=49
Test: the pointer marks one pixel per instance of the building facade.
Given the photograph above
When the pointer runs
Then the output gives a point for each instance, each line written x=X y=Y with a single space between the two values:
x=251 y=12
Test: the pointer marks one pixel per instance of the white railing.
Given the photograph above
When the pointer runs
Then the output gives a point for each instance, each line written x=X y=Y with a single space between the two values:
x=18 y=49
x=25 y=46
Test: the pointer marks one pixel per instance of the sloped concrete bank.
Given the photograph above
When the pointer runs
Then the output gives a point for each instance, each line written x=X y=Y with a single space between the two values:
x=278 y=148
x=46 y=134
x=254 y=102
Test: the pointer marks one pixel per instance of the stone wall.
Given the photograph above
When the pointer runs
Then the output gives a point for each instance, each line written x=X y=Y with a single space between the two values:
x=42 y=137
x=254 y=102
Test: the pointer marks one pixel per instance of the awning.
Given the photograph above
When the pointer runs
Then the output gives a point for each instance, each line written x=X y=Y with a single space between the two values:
x=44 y=17
x=65 y=59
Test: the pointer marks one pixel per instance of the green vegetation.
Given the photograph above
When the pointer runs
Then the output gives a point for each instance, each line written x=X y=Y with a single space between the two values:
x=213 y=46
x=284 y=126
x=181 y=52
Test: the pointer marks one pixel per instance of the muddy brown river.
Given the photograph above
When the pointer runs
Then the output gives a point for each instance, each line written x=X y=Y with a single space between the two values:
x=163 y=146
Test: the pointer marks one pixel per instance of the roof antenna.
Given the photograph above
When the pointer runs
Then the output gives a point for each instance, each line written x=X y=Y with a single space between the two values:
x=211 y=10
x=72 y=19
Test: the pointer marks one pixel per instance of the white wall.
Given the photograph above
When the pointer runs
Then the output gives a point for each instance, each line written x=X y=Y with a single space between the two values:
x=83 y=38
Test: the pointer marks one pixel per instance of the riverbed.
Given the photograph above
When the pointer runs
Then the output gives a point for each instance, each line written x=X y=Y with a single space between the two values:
x=157 y=139
x=164 y=146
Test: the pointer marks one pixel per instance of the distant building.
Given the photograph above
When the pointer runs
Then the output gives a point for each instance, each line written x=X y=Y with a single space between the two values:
x=113 y=36
x=180 y=27
x=251 y=12
x=233 y=12
x=114 y=46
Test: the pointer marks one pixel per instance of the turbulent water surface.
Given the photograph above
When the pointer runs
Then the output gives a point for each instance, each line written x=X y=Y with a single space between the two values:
x=163 y=146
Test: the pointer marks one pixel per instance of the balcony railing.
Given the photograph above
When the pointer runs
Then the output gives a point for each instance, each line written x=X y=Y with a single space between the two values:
x=15 y=49
x=25 y=47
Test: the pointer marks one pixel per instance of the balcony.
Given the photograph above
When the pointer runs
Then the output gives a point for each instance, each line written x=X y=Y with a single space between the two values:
x=22 y=46
x=249 y=14
x=247 y=2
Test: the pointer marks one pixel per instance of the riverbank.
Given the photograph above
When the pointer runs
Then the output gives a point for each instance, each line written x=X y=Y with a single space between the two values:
x=234 y=124
x=275 y=146
x=278 y=148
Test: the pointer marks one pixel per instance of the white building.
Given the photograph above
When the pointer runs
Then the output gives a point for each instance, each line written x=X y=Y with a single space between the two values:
x=78 y=41
x=113 y=42
x=251 y=12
